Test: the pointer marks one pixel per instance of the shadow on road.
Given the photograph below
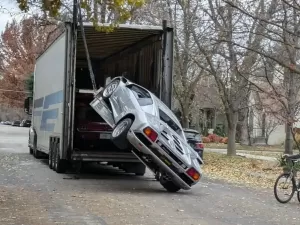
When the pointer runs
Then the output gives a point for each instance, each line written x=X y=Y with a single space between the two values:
x=107 y=178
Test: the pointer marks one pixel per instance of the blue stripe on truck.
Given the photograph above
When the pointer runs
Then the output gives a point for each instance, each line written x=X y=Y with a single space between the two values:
x=46 y=102
x=53 y=98
x=39 y=102
x=48 y=114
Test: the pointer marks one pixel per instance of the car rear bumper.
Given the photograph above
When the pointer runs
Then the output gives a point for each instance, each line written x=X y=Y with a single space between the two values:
x=178 y=176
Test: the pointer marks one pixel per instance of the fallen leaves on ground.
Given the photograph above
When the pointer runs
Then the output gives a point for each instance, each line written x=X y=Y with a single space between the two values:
x=241 y=170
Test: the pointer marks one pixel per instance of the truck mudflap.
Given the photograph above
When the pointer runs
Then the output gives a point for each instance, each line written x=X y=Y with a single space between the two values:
x=108 y=156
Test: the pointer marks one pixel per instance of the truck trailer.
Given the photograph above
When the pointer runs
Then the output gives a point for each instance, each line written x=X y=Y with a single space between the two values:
x=64 y=126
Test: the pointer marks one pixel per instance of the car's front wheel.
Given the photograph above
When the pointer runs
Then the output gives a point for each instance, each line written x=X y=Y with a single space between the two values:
x=119 y=134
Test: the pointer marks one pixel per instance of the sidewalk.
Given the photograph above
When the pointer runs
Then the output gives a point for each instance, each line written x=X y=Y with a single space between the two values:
x=242 y=153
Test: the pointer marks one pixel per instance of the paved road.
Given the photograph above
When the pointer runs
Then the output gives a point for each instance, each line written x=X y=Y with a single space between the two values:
x=31 y=194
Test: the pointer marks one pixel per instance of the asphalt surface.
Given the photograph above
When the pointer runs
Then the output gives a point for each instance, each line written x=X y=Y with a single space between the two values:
x=32 y=194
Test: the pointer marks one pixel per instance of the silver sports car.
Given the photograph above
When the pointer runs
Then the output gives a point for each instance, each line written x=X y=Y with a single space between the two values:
x=144 y=123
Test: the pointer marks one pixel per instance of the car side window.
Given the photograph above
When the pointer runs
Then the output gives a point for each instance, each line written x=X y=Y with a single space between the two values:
x=143 y=97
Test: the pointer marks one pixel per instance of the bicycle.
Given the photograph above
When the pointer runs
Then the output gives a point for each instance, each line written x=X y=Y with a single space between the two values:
x=289 y=176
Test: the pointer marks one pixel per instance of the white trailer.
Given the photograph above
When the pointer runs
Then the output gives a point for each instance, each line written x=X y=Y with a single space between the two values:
x=63 y=90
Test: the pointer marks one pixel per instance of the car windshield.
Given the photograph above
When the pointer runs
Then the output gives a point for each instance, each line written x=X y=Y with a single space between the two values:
x=193 y=136
x=173 y=125
x=143 y=97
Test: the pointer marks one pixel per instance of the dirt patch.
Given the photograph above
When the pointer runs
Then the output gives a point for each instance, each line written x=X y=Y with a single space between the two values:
x=18 y=206
x=241 y=170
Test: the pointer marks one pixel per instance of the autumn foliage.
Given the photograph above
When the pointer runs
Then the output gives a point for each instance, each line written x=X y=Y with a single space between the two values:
x=20 y=44
x=213 y=138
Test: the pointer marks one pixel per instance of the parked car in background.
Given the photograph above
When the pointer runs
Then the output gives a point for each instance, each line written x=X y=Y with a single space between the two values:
x=141 y=120
x=25 y=123
x=16 y=123
x=194 y=140
x=7 y=123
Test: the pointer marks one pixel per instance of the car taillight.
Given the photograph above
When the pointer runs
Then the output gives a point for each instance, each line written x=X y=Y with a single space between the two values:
x=200 y=145
x=193 y=174
x=150 y=133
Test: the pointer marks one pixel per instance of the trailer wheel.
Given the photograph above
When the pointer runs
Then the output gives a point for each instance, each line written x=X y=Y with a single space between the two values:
x=36 y=153
x=50 y=159
x=53 y=149
x=119 y=134
x=60 y=165
x=140 y=169
x=110 y=88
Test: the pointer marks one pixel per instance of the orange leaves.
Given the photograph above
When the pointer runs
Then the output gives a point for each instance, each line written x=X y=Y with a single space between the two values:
x=214 y=138
x=205 y=140
x=20 y=44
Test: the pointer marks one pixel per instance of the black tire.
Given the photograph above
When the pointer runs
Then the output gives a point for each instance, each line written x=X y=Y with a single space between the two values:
x=30 y=151
x=157 y=176
x=36 y=153
x=119 y=134
x=50 y=159
x=140 y=169
x=53 y=154
x=110 y=88
x=169 y=185
x=60 y=165
x=284 y=175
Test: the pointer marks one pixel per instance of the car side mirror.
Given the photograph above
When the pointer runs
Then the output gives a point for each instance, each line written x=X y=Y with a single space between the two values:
x=28 y=105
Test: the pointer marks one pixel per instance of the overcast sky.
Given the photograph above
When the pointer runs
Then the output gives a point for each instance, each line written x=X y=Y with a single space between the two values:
x=7 y=7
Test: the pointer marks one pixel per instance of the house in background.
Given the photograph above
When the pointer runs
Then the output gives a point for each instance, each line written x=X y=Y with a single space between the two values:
x=266 y=122
x=206 y=111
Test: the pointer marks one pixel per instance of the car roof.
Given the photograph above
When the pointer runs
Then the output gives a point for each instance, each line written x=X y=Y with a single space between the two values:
x=190 y=130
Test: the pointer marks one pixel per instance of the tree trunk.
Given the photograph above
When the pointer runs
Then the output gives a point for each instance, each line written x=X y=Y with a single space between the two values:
x=288 y=148
x=244 y=136
x=267 y=138
x=185 y=113
x=231 y=151
x=96 y=10
x=103 y=11
x=232 y=118
x=185 y=116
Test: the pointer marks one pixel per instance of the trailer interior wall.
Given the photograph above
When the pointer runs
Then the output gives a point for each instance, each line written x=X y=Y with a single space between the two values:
x=132 y=51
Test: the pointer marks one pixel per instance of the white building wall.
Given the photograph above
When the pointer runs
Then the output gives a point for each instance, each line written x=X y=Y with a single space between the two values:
x=277 y=137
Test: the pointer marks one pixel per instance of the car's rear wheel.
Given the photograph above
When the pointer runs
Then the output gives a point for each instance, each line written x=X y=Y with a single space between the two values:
x=110 y=88
x=168 y=184
x=119 y=134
